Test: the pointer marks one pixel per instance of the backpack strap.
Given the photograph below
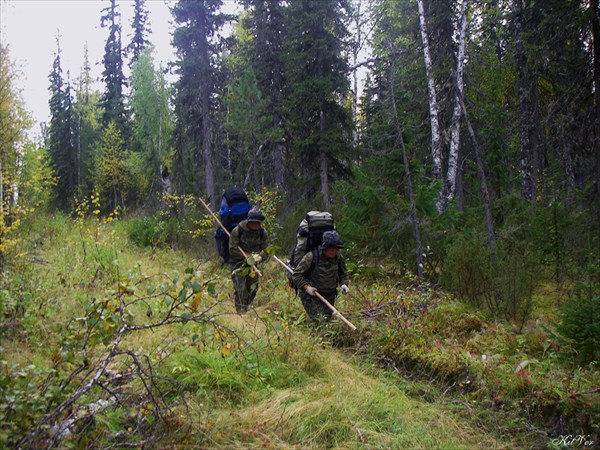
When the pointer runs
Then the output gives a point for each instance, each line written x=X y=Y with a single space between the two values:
x=315 y=260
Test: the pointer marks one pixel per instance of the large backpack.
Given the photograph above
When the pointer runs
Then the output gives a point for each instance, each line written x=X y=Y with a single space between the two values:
x=234 y=208
x=309 y=236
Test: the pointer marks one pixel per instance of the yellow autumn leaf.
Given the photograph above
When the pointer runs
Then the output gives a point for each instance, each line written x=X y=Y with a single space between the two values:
x=226 y=350
x=196 y=301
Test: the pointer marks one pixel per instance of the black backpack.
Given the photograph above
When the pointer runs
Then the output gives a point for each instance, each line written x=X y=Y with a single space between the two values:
x=234 y=208
x=309 y=236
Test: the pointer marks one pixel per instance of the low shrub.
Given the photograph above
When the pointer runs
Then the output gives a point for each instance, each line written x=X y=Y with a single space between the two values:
x=580 y=324
x=144 y=231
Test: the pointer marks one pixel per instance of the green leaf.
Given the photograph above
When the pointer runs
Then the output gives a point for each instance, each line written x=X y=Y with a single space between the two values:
x=211 y=290
x=182 y=295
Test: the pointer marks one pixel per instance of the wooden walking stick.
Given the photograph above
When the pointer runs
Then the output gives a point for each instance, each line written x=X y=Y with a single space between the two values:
x=228 y=233
x=320 y=297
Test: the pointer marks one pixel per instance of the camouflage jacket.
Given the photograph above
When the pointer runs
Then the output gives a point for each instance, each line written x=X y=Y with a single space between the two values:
x=326 y=276
x=248 y=240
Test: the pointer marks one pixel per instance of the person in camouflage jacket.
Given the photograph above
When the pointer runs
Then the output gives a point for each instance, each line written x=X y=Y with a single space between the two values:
x=322 y=271
x=250 y=237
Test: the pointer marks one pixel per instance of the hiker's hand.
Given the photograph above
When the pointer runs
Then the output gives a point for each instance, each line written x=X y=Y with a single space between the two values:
x=311 y=290
x=256 y=257
x=345 y=289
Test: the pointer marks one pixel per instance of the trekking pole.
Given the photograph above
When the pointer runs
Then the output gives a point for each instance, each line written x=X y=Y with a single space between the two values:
x=228 y=233
x=320 y=297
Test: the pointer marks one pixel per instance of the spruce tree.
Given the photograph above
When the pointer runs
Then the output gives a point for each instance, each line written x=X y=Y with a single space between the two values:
x=198 y=24
x=265 y=24
x=61 y=139
x=87 y=122
x=317 y=91
x=113 y=101
x=139 y=24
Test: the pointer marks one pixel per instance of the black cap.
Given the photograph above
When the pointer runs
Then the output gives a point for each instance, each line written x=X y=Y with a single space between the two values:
x=332 y=239
x=254 y=215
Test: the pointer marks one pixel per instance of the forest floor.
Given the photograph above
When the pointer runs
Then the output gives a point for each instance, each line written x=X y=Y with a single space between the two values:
x=215 y=379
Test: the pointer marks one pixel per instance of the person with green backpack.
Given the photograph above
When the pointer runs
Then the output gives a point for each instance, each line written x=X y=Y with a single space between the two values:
x=322 y=270
x=250 y=237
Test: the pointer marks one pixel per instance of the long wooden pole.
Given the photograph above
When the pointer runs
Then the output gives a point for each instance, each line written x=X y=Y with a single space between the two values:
x=227 y=232
x=320 y=297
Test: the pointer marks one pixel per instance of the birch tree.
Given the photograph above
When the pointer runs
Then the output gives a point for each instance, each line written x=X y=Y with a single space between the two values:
x=436 y=136
x=450 y=183
x=151 y=126
x=14 y=121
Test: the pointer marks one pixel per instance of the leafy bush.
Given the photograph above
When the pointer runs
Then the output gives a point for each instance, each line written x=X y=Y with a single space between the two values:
x=580 y=323
x=25 y=395
x=468 y=270
x=143 y=231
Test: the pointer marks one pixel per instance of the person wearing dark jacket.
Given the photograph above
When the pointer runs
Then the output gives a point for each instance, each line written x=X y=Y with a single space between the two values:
x=250 y=237
x=322 y=271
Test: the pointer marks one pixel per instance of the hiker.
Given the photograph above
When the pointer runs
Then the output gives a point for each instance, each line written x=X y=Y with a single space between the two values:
x=308 y=237
x=321 y=270
x=235 y=206
x=250 y=237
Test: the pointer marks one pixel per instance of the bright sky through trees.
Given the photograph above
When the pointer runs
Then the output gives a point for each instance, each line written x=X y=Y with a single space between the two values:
x=30 y=28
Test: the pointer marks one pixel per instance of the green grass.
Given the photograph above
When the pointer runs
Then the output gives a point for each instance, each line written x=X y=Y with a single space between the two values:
x=266 y=379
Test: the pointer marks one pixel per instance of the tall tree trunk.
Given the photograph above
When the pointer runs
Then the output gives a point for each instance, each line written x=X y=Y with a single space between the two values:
x=436 y=137
x=2 y=221
x=323 y=168
x=525 y=109
x=596 y=37
x=205 y=101
x=414 y=218
x=208 y=168
x=460 y=194
x=79 y=149
x=252 y=168
x=449 y=187
x=485 y=195
x=159 y=156
x=278 y=150
x=356 y=48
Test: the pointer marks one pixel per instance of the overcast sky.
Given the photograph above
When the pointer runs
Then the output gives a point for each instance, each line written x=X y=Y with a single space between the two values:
x=30 y=28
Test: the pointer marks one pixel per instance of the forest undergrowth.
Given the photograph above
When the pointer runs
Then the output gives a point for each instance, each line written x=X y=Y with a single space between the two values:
x=106 y=344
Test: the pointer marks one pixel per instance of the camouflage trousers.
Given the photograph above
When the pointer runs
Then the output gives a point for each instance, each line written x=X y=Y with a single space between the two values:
x=245 y=288
x=315 y=308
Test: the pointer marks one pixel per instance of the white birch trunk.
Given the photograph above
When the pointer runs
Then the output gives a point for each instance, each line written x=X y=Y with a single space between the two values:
x=447 y=193
x=436 y=138
x=355 y=51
